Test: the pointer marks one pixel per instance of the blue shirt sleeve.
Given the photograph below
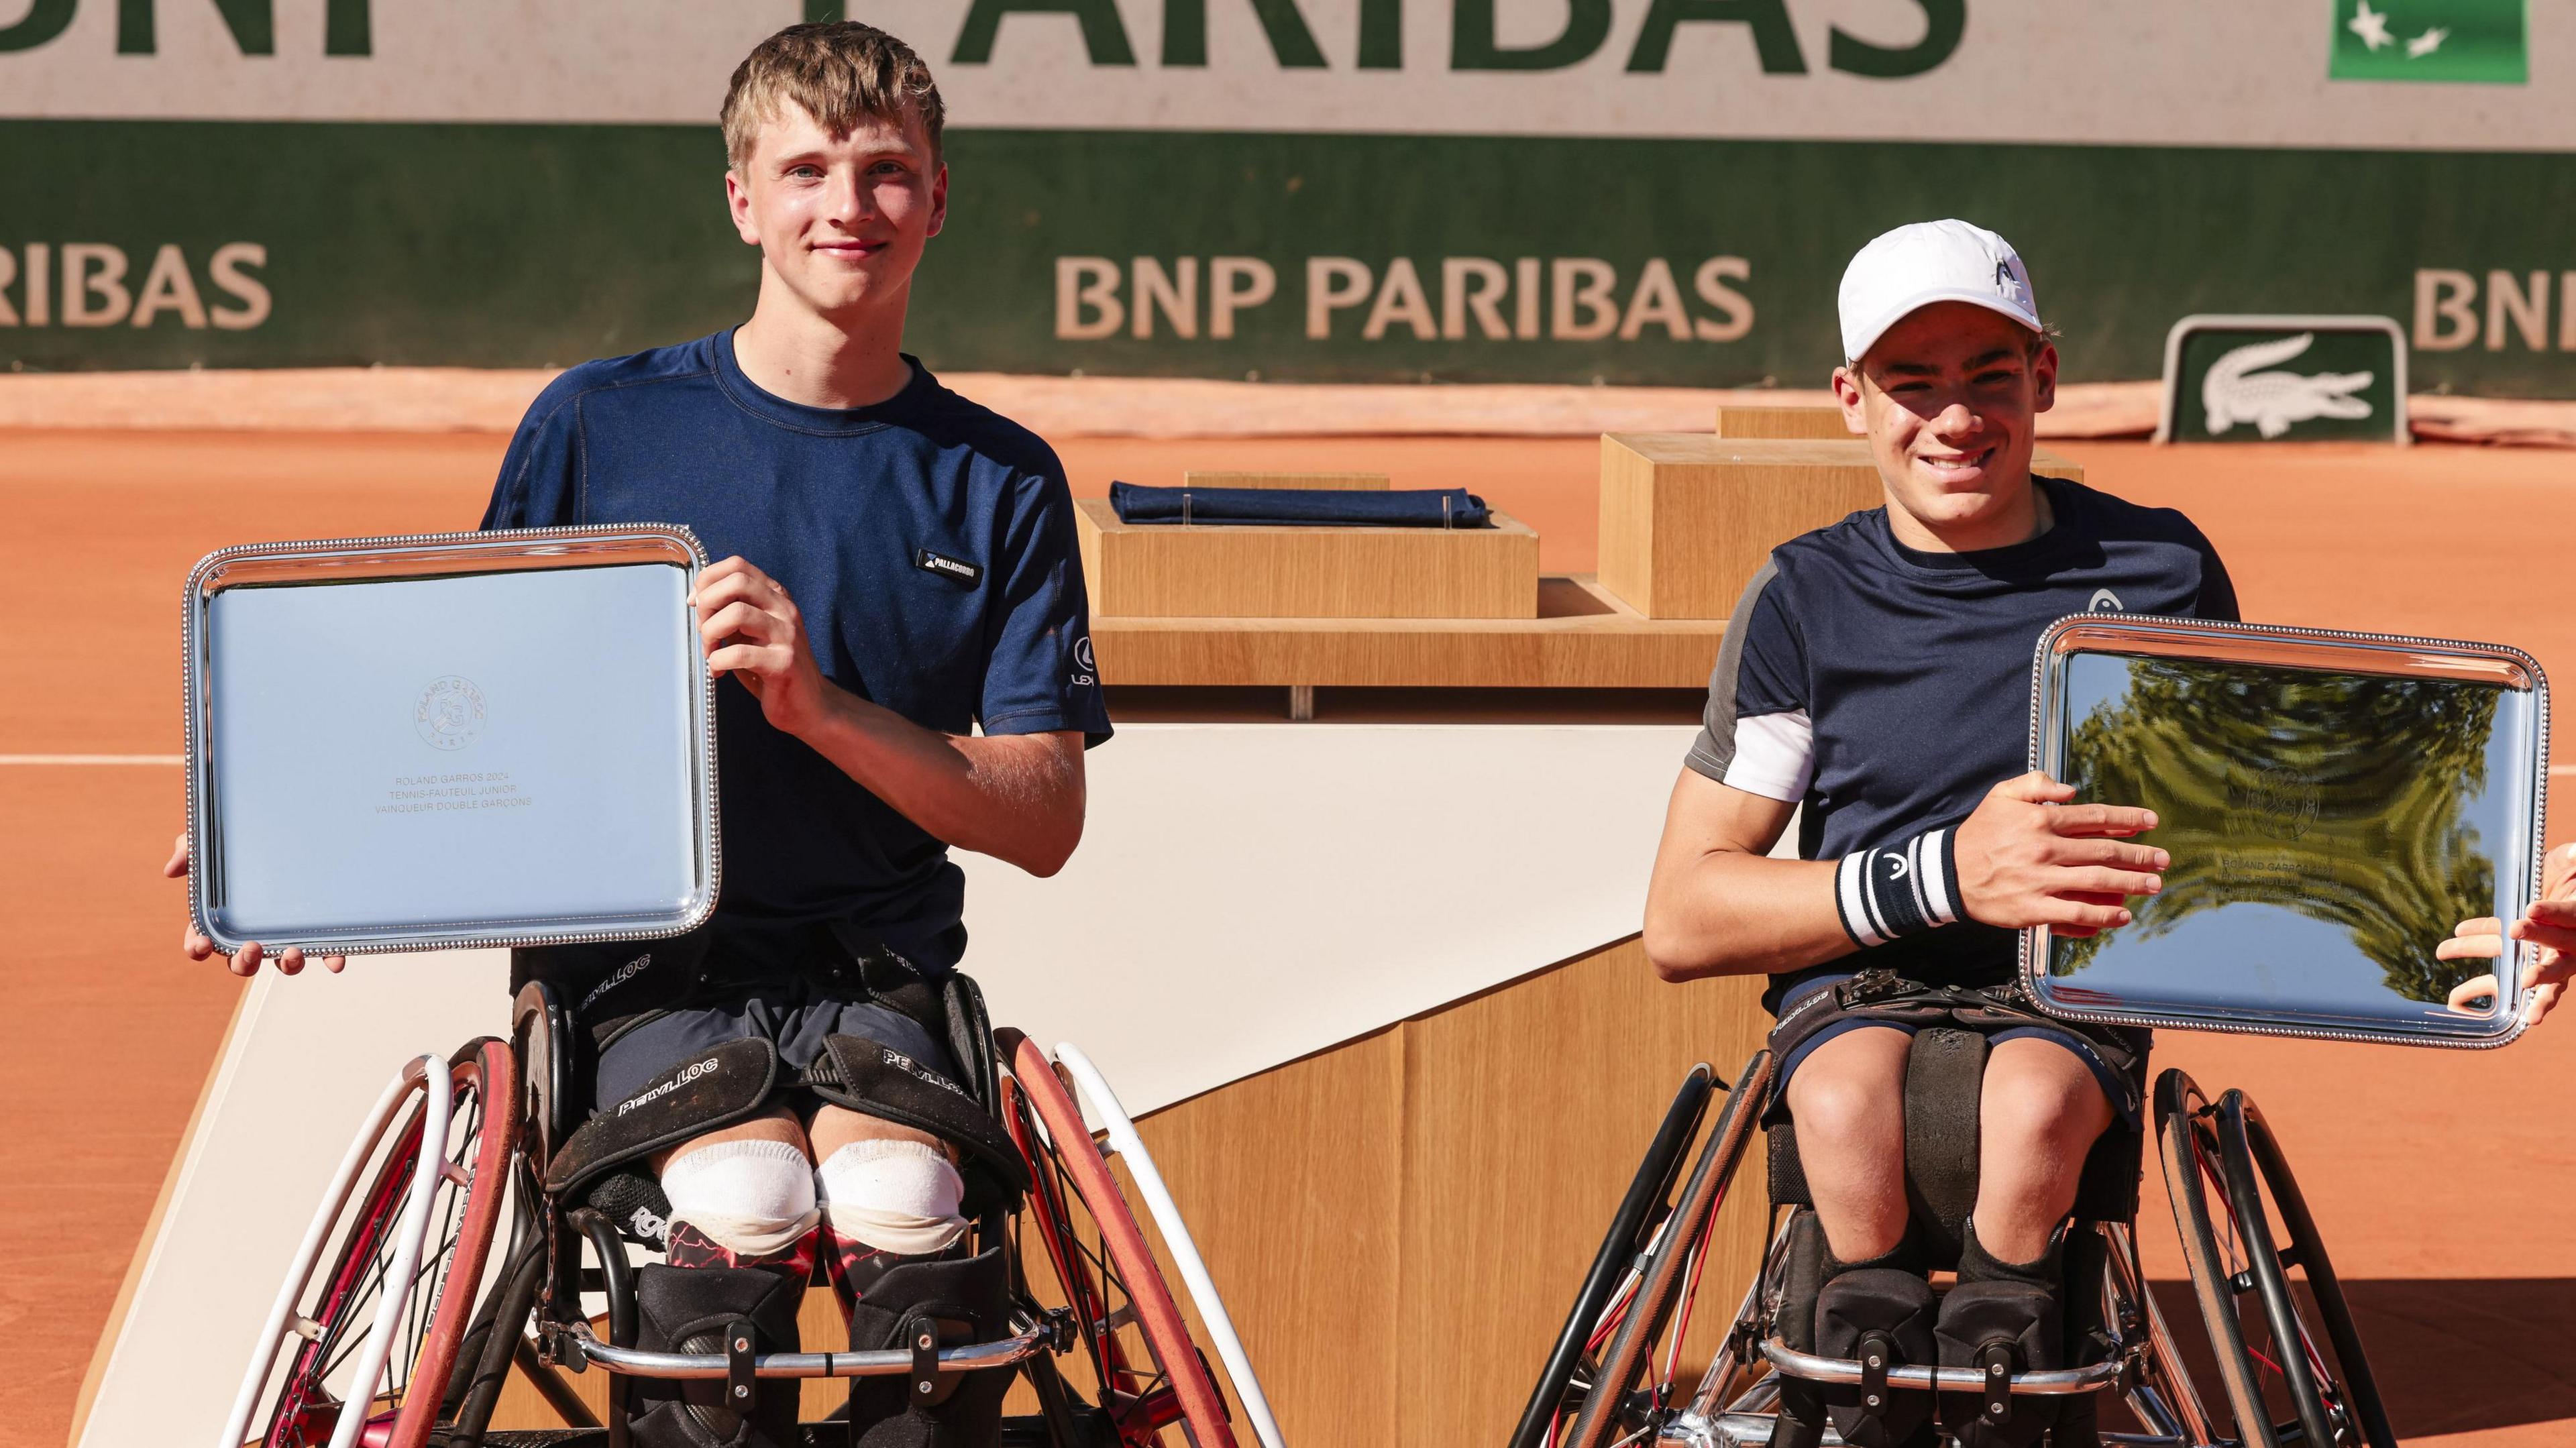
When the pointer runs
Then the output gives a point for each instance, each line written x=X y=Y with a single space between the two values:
x=2217 y=590
x=1038 y=671
x=540 y=481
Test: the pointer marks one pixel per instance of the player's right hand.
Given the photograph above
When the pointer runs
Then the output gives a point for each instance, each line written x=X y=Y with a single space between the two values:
x=2028 y=857
x=246 y=960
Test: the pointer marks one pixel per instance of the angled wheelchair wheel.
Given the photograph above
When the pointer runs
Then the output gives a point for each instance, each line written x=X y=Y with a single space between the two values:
x=1641 y=1211
x=407 y=1225
x=1141 y=1169
x=1147 y=1371
x=1666 y=1278
x=2286 y=1383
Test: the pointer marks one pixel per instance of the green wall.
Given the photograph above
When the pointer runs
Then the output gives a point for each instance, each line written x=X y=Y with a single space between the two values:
x=493 y=245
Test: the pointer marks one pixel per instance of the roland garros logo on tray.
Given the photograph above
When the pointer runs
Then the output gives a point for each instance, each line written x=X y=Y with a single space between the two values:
x=449 y=713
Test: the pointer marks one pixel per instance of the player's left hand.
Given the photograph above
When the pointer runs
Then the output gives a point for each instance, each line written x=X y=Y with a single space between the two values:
x=2549 y=923
x=751 y=629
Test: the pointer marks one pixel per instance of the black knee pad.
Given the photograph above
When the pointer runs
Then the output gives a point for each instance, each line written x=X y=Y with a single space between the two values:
x=1981 y=1323
x=688 y=1309
x=960 y=1300
x=1885 y=1311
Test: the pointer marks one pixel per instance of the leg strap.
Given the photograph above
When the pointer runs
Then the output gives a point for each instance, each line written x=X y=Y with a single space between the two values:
x=947 y=1303
x=1801 y=1423
x=2002 y=1318
x=1881 y=1316
x=737 y=1311
x=866 y=1076
x=713 y=1088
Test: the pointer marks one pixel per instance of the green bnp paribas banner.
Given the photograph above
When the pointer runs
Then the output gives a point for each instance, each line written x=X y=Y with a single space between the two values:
x=1631 y=190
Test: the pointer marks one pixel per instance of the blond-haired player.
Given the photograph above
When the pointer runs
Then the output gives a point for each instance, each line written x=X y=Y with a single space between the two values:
x=899 y=626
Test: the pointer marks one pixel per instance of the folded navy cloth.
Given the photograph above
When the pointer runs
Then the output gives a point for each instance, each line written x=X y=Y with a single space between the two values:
x=1329 y=507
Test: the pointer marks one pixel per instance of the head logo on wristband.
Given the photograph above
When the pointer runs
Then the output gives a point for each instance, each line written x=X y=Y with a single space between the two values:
x=1886 y=893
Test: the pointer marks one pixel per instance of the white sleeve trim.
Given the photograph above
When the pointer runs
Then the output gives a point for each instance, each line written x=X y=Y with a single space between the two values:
x=1775 y=756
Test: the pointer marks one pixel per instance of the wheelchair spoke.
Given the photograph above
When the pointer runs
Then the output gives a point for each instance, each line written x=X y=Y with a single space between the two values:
x=1140 y=1404
x=404 y=1393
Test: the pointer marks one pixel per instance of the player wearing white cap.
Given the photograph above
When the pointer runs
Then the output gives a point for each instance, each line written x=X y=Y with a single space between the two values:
x=1874 y=681
x=1875 y=674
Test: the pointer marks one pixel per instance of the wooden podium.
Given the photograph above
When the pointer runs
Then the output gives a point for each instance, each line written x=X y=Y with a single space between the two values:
x=1687 y=518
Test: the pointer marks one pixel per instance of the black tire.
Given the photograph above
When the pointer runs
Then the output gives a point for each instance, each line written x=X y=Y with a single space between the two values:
x=1660 y=1275
x=484 y=1361
x=1639 y=1213
x=2331 y=1397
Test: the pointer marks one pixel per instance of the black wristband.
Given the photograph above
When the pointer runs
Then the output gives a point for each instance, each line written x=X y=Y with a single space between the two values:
x=1888 y=893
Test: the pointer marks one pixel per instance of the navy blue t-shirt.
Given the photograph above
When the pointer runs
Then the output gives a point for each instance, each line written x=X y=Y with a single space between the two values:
x=927 y=541
x=1886 y=690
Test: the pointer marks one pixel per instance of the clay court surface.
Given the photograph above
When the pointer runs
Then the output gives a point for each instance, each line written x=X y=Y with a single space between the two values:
x=2442 y=1180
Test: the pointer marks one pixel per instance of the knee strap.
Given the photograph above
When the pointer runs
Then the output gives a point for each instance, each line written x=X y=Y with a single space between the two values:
x=864 y=1075
x=1945 y=1076
x=715 y=1087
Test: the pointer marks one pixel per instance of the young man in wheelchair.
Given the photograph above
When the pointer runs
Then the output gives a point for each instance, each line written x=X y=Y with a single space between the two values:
x=898 y=569
x=1876 y=676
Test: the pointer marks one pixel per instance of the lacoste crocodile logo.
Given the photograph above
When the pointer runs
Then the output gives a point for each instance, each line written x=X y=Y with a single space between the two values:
x=2236 y=389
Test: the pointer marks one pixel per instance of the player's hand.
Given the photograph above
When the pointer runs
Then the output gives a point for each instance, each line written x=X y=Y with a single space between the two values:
x=2027 y=857
x=2549 y=922
x=246 y=960
x=752 y=630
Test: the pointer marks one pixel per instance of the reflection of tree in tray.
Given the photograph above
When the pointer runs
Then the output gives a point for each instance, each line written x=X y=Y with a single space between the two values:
x=2338 y=796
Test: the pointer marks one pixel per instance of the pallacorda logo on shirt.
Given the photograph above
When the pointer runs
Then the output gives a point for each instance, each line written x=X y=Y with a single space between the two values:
x=946 y=567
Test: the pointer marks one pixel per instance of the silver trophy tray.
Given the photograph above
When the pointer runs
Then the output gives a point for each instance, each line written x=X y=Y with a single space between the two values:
x=2333 y=803
x=457 y=739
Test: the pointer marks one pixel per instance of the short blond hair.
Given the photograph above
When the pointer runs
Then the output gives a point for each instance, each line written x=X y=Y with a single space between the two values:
x=838 y=72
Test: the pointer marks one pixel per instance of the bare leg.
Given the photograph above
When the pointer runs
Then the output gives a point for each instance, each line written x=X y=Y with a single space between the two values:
x=835 y=1127
x=778 y=1124
x=1848 y=1098
x=2041 y=1111
x=894 y=1200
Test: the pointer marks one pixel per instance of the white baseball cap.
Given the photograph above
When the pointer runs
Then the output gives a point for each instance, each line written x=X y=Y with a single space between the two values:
x=1931 y=261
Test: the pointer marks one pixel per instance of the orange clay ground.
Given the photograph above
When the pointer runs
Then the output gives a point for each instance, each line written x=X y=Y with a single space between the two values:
x=2445 y=1182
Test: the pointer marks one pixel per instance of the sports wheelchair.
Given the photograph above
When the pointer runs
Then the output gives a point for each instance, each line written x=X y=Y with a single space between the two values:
x=2284 y=1380
x=401 y=1320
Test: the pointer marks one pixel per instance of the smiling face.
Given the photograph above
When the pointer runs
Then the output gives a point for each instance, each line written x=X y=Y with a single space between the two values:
x=840 y=220
x=1948 y=398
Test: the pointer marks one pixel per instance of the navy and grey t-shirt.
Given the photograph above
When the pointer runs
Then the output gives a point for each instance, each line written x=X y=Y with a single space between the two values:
x=927 y=541
x=1886 y=690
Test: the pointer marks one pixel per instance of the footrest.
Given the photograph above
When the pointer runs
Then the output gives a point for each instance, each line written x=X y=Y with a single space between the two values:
x=2053 y=1382
x=583 y=1349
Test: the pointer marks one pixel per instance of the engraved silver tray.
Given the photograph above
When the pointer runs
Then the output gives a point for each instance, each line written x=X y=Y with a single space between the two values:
x=2333 y=803
x=458 y=739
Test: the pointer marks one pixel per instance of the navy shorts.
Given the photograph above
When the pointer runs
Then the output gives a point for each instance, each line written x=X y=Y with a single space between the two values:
x=2118 y=1086
x=794 y=1015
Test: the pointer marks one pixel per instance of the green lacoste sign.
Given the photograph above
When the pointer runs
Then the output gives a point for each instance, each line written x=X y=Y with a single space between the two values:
x=2284 y=379
x=2454 y=40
